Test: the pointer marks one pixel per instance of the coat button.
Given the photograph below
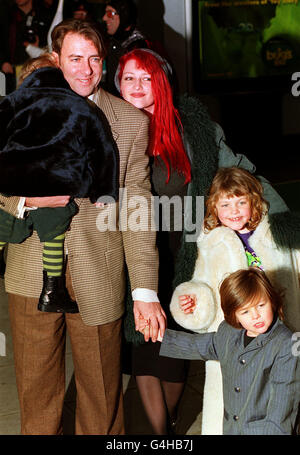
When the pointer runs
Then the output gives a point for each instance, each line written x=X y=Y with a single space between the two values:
x=237 y=389
x=243 y=361
x=235 y=418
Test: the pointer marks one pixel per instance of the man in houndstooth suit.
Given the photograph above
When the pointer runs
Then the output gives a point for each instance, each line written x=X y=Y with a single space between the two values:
x=95 y=273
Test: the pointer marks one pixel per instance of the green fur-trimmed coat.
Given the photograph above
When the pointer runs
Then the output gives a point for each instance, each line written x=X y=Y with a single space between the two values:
x=207 y=150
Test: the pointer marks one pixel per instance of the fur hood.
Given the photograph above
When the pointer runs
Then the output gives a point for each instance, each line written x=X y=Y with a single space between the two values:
x=53 y=142
x=221 y=252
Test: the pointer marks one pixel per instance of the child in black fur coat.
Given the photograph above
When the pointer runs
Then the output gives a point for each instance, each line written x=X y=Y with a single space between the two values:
x=52 y=142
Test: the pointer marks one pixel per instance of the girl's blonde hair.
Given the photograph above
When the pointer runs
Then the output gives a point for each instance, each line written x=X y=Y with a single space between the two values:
x=233 y=181
x=33 y=64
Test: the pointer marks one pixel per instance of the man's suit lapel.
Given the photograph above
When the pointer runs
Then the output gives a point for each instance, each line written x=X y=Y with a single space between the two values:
x=102 y=99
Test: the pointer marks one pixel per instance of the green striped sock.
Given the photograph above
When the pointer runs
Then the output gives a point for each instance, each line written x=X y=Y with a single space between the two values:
x=53 y=256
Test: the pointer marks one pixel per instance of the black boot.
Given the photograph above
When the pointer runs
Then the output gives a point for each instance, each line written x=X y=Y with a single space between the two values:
x=2 y=263
x=54 y=297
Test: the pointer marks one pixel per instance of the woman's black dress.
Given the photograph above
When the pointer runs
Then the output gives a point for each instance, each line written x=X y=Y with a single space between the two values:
x=145 y=359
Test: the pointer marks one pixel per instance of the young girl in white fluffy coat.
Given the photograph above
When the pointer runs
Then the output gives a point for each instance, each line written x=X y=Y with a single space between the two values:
x=235 y=235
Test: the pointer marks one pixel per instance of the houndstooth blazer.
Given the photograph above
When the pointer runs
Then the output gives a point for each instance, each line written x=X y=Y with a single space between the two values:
x=96 y=258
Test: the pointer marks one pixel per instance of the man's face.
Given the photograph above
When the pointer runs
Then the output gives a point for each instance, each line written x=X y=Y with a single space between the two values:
x=80 y=63
x=112 y=20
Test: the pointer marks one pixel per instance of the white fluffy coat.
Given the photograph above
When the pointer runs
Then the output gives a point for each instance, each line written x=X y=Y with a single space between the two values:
x=221 y=252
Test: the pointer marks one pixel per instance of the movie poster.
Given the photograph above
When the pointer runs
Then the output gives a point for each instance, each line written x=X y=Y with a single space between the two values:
x=248 y=38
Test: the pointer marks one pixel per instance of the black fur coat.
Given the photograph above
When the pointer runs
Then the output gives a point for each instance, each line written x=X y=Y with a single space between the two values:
x=53 y=142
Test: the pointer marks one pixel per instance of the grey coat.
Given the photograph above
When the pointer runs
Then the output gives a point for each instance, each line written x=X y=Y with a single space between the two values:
x=261 y=382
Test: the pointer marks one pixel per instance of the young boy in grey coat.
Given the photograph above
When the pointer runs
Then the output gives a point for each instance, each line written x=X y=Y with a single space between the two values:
x=258 y=356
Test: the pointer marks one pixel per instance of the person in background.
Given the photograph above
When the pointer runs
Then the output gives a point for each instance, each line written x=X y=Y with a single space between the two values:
x=95 y=271
x=21 y=22
x=122 y=36
x=186 y=148
x=260 y=368
x=82 y=11
x=60 y=9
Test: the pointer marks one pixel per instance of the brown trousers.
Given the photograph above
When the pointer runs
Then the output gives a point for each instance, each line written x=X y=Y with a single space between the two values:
x=39 y=352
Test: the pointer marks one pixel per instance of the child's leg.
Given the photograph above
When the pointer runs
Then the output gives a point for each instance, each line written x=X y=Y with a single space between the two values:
x=54 y=296
x=51 y=225
x=53 y=256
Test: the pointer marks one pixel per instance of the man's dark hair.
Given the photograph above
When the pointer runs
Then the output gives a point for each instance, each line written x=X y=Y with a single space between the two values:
x=90 y=30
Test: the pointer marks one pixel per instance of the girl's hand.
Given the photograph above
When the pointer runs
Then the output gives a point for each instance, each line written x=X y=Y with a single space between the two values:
x=187 y=303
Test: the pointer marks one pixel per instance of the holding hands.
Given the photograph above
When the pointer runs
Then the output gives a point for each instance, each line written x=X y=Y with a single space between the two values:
x=147 y=330
x=150 y=319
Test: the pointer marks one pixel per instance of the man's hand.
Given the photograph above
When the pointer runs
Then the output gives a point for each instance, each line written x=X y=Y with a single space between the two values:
x=153 y=313
x=47 y=201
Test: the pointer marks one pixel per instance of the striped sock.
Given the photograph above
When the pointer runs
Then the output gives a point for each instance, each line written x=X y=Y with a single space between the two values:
x=53 y=256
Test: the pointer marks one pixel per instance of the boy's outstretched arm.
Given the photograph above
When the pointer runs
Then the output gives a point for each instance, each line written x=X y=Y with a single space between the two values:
x=182 y=345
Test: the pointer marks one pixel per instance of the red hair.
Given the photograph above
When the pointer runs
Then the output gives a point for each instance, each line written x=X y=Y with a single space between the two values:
x=165 y=125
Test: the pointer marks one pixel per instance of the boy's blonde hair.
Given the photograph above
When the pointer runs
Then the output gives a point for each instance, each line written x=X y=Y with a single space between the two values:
x=234 y=181
x=33 y=64
x=247 y=287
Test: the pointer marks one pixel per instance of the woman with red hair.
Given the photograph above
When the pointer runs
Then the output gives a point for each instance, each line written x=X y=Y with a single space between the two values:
x=160 y=380
x=186 y=148
x=165 y=124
